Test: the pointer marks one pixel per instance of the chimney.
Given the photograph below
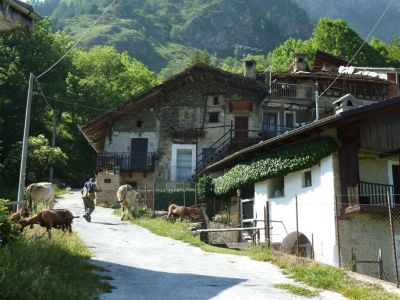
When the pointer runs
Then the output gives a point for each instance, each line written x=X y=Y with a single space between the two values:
x=299 y=63
x=249 y=68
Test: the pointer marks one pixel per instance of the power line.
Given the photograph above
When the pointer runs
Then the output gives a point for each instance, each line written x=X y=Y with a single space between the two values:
x=80 y=105
x=86 y=32
x=359 y=49
x=42 y=93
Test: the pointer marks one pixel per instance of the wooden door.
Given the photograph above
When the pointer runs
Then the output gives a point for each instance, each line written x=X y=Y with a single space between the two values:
x=139 y=154
x=241 y=127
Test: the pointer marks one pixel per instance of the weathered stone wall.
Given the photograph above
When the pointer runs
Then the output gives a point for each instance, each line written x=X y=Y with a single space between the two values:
x=173 y=118
x=222 y=237
x=108 y=185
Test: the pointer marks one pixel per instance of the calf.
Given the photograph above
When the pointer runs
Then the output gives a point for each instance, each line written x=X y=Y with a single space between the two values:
x=175 y=211
x=127 y=197
x=50 y=218
x=20 y=214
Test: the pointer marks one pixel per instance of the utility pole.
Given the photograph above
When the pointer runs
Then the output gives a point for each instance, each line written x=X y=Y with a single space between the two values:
x=22 y=171
x=53 y=142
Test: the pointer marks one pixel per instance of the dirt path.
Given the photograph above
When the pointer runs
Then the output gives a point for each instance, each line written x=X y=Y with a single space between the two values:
x=147 y=266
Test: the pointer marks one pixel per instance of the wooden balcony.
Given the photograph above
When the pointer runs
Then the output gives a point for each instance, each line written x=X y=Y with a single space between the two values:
x=125 y=161
x=368 y=197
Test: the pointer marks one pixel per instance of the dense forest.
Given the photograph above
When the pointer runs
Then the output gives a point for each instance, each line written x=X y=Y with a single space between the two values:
x=91 y=80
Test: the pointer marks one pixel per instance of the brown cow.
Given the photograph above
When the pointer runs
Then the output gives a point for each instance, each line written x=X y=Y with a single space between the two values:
x=175 y=211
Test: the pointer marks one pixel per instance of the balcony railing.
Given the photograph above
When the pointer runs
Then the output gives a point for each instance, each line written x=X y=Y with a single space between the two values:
x=367 y=196
x=375 y=194
x=125 y=161
x=296 y=91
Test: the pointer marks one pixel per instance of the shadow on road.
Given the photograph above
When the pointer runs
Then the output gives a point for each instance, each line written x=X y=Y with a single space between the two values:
x=137 y=283
x=107 y=223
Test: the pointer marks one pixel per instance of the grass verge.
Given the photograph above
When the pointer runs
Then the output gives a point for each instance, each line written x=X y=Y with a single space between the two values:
x=296 y=290
x=321 y=276
x=34 y=268
x=178 y=231
x=308 y=272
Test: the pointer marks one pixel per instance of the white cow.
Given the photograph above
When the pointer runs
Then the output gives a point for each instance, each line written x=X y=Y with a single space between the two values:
x=128 y=198
x=42 y=192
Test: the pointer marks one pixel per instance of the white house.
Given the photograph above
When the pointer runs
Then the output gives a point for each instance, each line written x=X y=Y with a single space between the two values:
x=341 y=194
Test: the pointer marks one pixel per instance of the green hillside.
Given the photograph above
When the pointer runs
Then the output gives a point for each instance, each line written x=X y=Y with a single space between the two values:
x=157 y=31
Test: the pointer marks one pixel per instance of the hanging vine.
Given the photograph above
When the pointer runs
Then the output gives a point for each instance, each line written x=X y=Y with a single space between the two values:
x=288 y=160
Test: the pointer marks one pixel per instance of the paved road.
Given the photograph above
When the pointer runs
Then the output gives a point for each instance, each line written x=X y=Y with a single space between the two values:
x=147 y=266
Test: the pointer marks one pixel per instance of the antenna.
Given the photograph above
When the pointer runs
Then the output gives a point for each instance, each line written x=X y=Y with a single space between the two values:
x=243 y=48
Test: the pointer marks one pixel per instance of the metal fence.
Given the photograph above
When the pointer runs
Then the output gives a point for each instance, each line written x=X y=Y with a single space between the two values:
x=368 y=234
x=362 y=236
x=160 y=195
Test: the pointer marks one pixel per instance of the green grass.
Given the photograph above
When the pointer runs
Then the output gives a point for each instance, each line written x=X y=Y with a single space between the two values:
x=297 y=290
x=178 y=231
x=35 y=268
x=321 y=276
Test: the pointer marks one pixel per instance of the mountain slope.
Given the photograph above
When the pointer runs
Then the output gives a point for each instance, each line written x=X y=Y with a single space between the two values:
x=156 y=31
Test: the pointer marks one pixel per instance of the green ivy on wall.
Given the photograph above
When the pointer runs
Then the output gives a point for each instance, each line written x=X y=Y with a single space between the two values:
x=204 y=187
x=288 y=160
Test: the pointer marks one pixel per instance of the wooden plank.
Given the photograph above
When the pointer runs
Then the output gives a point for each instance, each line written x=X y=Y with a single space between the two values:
x=228 y=229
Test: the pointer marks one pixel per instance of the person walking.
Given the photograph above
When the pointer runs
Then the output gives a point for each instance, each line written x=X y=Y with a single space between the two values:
x=88 y=197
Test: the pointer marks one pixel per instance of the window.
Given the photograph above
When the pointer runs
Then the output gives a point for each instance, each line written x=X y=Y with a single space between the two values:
x=139 y=123
x=107 y=180
x=183 y=161
x=213 y=117
x=277 y=187
x=216 y=100
x=307 y=179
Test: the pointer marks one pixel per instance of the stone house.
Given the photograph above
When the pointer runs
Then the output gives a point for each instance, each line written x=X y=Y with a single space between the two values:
x=337 y=208
x=164 y=133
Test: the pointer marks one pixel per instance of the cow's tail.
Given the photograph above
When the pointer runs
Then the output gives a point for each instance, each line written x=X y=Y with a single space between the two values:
x=126 y=192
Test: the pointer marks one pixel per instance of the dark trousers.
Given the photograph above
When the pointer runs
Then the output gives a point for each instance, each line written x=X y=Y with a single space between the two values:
x=88 y=204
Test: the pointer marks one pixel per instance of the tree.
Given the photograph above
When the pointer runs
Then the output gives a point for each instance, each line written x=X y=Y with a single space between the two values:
x=103 y=78
x=40 y=157
x=333 y=36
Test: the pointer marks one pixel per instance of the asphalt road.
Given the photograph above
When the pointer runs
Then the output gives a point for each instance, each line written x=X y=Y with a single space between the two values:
x=147 y=266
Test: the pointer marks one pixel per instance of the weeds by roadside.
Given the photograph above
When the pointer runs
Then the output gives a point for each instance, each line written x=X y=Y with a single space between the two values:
x=296 y=290
x=34 y=268
x=321 y=276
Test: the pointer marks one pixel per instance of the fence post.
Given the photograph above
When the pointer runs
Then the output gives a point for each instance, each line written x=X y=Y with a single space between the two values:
x=337 y=232
x=380 y=264
x=154 y=197
x=195 y=193
x=393 y=240
x=266 y=225
x=145 y=195
x=184 y=196
x=297 y=229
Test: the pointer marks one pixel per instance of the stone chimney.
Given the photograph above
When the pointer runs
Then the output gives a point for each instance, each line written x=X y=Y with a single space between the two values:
x=299 y=63
x=249 y=68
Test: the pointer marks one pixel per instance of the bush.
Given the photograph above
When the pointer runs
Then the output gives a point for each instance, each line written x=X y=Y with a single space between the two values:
x=8 y=231
x=163 y=197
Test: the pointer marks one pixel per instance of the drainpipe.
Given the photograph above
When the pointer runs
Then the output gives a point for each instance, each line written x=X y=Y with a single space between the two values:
x=316 y=106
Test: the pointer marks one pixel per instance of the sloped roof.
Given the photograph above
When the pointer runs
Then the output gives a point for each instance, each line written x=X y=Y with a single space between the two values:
x=323 y=58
